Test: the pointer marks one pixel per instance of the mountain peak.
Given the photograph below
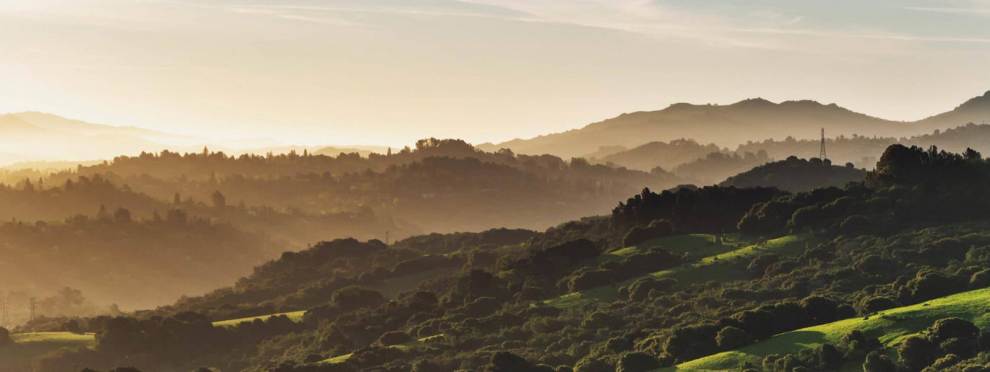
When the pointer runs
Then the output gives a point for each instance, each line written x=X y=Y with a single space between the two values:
x=754 y=102
x=977 y=102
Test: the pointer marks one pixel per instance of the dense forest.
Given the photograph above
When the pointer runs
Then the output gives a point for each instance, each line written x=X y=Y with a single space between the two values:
x=226 y=214
x=440 y=186
x=665 y=279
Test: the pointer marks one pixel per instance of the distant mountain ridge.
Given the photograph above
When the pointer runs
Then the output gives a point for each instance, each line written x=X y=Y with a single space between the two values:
x=29 y=136
x=37 y=138
x=735 y=124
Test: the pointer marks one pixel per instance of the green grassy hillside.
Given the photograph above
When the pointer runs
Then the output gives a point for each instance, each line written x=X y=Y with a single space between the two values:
x=295 y=316
x=708 y=261
x=55 y=338
x=721 y=266
x=890 y=327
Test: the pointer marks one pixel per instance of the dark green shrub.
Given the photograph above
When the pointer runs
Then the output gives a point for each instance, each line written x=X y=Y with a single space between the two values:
x=686 y=343
x=820 y=310
x=944 y=329
x=805 y=217
x=354 y=297
x=927 y=285
x=637 y=361
x=916 y=353
x=980 y=279
x=656 y=229
x=592 y=365
x=829 y=357
x=878 y=303
x=504 y=361
x=943 y=363
x=730 y=337
x=589 y=279
x=640 y=289
x=394 y=338
x=482 y=306
x=878 y=362
x=427 y=366
x=856 y=225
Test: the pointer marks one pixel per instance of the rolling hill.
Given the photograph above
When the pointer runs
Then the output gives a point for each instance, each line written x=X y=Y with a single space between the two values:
x=667 y=279
x=795 y=175
x=666 y=155
x=734 y=124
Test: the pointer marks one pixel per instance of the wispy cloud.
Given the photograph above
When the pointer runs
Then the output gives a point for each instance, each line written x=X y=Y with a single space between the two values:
x=951 y=10
x=725 y=26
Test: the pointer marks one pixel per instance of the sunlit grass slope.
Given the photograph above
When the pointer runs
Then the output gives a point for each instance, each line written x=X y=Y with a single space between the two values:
x=406 y=346
x=67 y=339
x=295 y=316
x=890 y=326
x=28 y=346
x=707 y=261
x=721 y=267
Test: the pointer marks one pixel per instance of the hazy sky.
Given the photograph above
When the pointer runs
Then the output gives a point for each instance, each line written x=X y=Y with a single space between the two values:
x=392 y=71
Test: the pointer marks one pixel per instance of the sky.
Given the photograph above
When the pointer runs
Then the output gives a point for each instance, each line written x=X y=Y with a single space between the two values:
x=388 y=72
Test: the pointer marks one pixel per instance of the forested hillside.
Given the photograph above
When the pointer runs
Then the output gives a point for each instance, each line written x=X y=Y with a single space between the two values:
x=114 y=258
x=95 y=225
x=666 y=278
x=440 y=186
x=659 y=154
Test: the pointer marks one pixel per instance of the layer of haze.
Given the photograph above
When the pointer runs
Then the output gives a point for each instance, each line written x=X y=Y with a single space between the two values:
x=391 y=71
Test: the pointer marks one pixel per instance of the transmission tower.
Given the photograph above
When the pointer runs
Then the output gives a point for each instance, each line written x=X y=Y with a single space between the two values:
x=821 y=152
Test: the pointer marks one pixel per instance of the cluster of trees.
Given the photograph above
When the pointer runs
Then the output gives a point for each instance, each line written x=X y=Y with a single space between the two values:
x=711 y=209
x=910 y=186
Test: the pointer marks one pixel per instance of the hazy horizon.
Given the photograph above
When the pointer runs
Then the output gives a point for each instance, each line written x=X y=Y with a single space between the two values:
x=390 y=72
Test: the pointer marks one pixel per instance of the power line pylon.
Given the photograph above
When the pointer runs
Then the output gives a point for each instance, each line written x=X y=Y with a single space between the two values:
x=821 y=152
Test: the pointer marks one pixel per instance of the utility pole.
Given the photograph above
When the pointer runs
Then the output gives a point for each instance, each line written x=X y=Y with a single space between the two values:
x=386 y=238
x=821 y=152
